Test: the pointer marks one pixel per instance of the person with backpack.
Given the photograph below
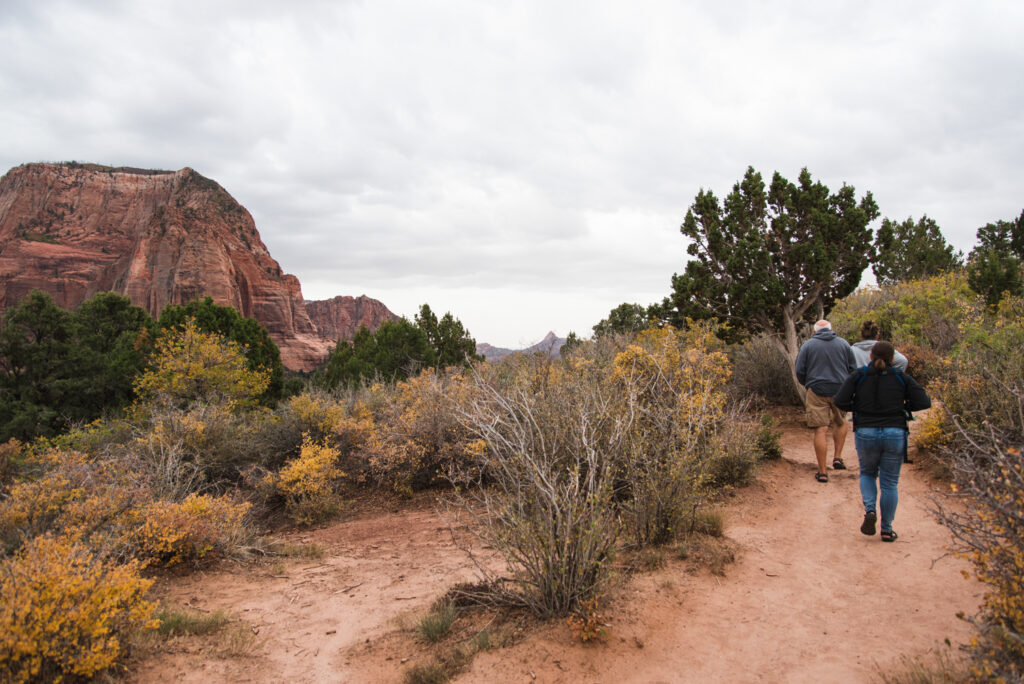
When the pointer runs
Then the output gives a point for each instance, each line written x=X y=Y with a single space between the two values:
x=881 y=397
x=862 y=353
x=822 y=365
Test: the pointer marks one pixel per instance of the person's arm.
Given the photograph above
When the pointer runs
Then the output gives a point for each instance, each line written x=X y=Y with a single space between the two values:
x=899 y=361
x=917 y=398
x=851 y=359
x=844 y=397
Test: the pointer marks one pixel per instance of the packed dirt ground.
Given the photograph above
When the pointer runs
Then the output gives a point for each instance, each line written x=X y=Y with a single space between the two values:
x=808 y=599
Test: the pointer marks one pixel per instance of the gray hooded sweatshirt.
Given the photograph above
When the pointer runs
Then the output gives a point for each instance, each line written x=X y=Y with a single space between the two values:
x=862 y=353
x=824 y=362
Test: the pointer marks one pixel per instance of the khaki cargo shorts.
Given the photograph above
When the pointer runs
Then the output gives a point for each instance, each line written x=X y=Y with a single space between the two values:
x=821 y=412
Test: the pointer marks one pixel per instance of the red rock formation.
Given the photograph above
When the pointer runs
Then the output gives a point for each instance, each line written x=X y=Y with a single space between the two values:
x=339 y=318
x=159 y=237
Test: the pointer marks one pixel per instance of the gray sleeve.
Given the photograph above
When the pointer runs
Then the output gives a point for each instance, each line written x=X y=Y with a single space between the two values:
x=899 y=361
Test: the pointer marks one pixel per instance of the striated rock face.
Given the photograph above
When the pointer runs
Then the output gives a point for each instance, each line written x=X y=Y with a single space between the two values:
x=159 y=237
x=339 y=318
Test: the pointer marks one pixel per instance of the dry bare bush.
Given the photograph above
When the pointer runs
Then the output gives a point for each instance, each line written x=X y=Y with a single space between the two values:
x=548 y=509
x=987 y=466
x=761 y=373
x=981 y=442
x=418 y=434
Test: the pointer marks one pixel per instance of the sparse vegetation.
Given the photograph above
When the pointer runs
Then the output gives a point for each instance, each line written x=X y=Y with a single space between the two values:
x=190 y=623
x=436 y=624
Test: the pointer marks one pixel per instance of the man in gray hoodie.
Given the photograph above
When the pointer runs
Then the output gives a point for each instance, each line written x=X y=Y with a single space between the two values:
x=822 y=364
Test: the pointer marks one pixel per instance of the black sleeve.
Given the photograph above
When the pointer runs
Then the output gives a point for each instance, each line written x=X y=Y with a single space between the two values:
x=844 y=397
x=917 y=398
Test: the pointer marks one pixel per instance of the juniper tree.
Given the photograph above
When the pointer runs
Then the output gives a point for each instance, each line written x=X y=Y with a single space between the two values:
x=994 y=266
x=769 y=258
x=909 y=251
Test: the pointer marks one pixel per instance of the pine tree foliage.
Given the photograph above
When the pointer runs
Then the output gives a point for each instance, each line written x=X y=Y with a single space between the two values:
x=912 y=250
x=994 y=266
x=768 y=258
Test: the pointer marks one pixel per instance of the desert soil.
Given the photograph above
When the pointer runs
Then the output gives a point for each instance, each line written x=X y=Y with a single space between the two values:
x=809 y=598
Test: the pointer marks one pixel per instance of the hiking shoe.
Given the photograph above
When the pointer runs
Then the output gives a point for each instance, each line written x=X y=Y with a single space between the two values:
x=838 y=464
x=889 y=536
x=868 y=526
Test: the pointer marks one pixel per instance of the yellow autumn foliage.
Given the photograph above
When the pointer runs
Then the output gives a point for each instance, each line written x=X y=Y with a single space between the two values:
x=66 y=614
x=192 y=531
x=191 y=366
x=308 y=482
x=76 y=495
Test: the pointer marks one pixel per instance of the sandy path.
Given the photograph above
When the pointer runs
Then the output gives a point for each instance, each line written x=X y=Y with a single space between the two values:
x=809 y=599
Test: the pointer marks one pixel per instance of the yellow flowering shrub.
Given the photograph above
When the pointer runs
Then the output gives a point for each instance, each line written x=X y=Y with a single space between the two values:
x=324 y=417
x=308 y=483
x=192 y=531
x=419 y=436
x=674 y=388
x=66 y=614
x=194 y=366
x=933 y=430
x=75 y=495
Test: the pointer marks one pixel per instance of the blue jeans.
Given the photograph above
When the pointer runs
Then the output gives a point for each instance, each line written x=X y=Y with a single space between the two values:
x=880 y=452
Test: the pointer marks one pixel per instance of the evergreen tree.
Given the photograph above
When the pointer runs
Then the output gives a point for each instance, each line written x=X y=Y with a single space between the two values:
x=114 y=339
x=396 y=351
x=994 y=266
x=625 y=318
x=768 y=259
x=59 y=367
x=450 y=341
x=910 y=251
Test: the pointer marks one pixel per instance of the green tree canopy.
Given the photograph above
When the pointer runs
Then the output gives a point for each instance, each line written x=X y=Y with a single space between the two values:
x=59 y=367
x=396 y=351
x=909 y=251
x=260 y=350
x=450 y=341
x=625 y=318
x=767 y=259
x=994 y=266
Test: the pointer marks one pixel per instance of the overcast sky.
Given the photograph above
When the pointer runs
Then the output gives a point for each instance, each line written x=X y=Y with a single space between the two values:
x=525 y=165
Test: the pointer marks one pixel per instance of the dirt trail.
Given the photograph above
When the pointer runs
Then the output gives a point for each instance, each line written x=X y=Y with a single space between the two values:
x=810 y=599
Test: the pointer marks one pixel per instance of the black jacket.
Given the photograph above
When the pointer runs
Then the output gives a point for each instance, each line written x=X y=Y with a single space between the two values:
x=878 y=398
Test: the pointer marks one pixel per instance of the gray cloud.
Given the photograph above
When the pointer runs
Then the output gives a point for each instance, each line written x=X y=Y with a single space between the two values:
x=523 y=165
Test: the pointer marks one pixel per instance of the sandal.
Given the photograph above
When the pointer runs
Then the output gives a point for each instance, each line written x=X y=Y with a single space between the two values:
x=837 y=464
x=889 y=536
x=868 y=526
x=821 y=477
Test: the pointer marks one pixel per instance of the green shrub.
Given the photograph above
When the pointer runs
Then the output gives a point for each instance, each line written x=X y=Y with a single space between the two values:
x=437 y=623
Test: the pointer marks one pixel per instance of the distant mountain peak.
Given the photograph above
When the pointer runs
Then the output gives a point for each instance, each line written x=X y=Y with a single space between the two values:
x=550 y=345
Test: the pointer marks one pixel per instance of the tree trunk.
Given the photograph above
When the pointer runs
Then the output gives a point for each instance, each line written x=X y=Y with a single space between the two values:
x=790 y=346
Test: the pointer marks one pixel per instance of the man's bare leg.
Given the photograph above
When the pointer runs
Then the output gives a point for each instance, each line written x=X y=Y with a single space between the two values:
x=821 y=446
x=839 y=439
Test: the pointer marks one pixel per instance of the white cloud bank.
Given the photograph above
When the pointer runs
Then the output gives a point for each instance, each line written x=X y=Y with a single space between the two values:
x=524 y=165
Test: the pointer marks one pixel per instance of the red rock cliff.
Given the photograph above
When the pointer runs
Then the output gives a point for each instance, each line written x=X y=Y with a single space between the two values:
x=339 y=318
x=159 y=237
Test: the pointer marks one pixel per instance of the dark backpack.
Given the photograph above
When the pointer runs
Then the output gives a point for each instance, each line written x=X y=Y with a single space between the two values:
x=908 y=415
